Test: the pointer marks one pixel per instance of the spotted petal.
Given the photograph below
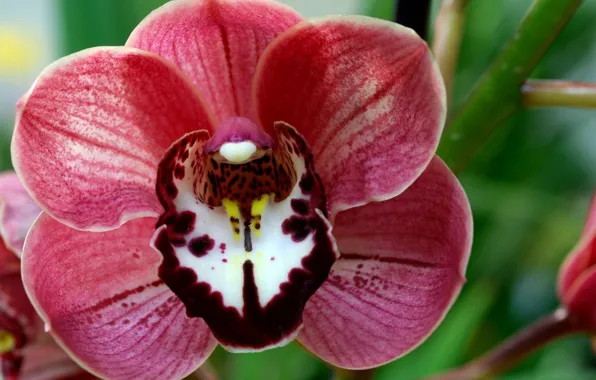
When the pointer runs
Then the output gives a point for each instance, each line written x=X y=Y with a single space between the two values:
x=17 y=211
x=93 y=127
x=217 y=43
x=402 y=266
x=365 y=93
x=249 y=280
x=100 y=295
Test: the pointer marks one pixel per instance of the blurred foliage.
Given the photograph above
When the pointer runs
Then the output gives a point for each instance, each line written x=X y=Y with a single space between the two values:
x=529 y=187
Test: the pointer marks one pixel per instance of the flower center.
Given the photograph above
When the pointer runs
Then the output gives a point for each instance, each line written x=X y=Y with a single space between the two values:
x=244 y=233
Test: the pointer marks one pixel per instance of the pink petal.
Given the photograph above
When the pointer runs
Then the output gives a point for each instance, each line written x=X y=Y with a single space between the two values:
x=217 y=44
x=47 y=361
x=583 y=256
x=101 y=297
x=365 y=93
x=402 y=266
x=17 y=211
x=91 y=131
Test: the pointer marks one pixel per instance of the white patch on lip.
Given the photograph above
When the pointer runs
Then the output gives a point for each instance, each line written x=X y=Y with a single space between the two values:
x=274 y=254
x=238 y=152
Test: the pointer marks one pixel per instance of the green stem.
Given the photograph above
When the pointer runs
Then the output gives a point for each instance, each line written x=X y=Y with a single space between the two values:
x=516 y=348
x=497 y=96
x=447 y=39
x=559 y=93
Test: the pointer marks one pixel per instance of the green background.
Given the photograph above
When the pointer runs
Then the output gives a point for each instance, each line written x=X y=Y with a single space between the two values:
x=529 y=187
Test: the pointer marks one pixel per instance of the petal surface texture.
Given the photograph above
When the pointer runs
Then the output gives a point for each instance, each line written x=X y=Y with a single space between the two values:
x=17 y=212
x=93 y=127
x=402 y=265
x=247 y=274
x=100 y=295
x=365 y=93
x=217 y=43
x=582 y=258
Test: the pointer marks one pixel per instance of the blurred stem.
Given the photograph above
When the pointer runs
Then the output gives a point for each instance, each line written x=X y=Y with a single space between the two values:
x=345 y=374
x=447 y=39
x=497 y=96
x=413 y=14
x=516 y=348
x=558 y=93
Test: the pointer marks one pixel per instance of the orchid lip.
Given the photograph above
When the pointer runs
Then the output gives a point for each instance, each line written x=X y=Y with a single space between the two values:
x=246 y=243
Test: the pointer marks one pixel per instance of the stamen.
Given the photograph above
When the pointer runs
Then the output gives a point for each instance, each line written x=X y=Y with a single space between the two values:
x=233 y=210
x=258 y=206
x=7 y=342
x=238 y=152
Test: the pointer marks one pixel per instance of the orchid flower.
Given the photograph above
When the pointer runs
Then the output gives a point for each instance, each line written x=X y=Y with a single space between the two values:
x=26 y=352
x=577 y=277
x=236 y=175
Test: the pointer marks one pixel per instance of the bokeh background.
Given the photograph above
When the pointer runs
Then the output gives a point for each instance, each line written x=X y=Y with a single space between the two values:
x=529 y=186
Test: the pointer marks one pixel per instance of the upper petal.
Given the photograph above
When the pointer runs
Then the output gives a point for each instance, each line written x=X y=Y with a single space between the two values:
x=17 y=211
x=100 y=296
x=402 y=266
x=365 y=93
x=91 y=130
x=582 y=258
x=217 y=43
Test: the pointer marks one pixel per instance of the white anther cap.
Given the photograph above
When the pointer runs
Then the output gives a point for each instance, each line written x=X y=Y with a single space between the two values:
x=238 y=152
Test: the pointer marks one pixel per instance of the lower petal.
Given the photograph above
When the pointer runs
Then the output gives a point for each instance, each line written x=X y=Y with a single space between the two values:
x=401 y=268
x=101 y=298
x=17 y=211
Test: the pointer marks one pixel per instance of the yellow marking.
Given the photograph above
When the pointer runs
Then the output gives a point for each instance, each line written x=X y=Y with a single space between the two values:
x=233 y=210
x=258 y=206
x=7 y=342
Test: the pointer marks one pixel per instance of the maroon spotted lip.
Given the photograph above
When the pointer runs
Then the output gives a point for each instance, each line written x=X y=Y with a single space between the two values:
x=253 y=326
x=364 y=94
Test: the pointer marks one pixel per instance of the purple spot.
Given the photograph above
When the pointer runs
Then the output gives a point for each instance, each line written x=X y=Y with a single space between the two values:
x=297 y=227
x=300 y=206
x=222 y=247
x=272 y=258
x=201 y=245
x=184 y=223
x=224 y=260
x=136 y=255
x=307 y=183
